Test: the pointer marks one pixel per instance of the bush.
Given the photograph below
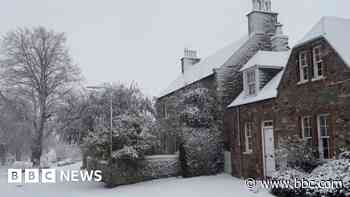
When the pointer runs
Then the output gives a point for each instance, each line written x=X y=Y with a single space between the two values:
x=336 y=170
x=201 y=153
x=332 y=170
x=290 y=175
x=345 y=155
x=294 y=152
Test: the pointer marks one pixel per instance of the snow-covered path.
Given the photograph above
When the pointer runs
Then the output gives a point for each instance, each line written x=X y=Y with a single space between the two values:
x=211 y=186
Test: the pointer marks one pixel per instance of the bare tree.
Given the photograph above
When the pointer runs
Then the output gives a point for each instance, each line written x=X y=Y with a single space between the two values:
x=35 y=64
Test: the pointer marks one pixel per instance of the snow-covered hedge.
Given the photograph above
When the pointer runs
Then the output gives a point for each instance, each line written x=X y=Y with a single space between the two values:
x=201 y=149
x=123 y=173
x=337 y=170
x=201 y=153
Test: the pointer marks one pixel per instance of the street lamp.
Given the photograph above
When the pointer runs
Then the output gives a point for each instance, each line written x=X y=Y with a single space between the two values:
x=111 y=114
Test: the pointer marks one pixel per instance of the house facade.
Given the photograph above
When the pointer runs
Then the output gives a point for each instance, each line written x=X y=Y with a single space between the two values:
x=220 y=72
x=308 y=97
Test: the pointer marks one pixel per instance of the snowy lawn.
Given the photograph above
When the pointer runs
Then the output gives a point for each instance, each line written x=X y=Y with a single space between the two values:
x=221 y=185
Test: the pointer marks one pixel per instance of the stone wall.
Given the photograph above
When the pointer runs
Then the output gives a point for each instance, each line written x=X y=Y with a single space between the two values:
x=123 y=173
x=330 y=95
x=249 y=164
x=327 y=96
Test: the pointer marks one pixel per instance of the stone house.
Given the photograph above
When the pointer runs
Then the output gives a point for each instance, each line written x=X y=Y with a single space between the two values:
x=306 y=94
x=220 y=72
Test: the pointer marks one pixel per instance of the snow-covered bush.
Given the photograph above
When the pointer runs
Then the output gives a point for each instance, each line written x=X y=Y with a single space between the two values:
x=297 y=153
x=126 y=153
x=291 y=175
x=199 y=109
x=345 y=155
x=132 y=121
x=201 y=150
x=333 y=170
x=338 y=170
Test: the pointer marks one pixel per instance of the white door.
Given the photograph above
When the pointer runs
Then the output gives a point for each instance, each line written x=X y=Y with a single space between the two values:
x=269 y=149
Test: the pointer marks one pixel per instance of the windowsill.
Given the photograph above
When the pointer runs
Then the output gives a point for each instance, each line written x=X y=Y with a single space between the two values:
x=302 y=82
x=247 y=153
x=318 y=78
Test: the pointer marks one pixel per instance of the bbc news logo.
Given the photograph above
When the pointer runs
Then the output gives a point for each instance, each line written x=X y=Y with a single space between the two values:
x=18 y=176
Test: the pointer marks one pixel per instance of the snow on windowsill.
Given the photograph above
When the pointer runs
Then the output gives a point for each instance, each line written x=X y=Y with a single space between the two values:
x=302 y=82
x=248 y=153
x=318 y=78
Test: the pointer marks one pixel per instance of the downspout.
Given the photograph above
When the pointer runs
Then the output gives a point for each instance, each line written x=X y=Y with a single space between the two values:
x=239 y=142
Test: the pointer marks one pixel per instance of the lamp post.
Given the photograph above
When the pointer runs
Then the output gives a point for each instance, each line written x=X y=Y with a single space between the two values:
x=111 y=115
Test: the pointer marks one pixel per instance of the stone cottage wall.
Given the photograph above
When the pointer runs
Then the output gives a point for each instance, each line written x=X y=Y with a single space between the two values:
x=249 y=164
x=330 y=95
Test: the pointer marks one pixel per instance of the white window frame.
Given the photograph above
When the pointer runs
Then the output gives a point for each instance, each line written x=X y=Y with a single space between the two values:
x=321 y=138
x=306 y=125
x=248 y=138
x=251 y=83
x=316 y=62
x=165 y=109
x=302 y=66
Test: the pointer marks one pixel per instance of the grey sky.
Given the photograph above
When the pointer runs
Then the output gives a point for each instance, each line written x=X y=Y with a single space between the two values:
x=143 y=40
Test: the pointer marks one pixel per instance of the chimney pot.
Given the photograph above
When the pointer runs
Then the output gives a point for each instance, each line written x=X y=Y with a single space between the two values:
x=190 y=58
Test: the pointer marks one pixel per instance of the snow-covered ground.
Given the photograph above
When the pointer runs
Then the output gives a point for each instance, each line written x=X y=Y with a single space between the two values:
x=221 y=185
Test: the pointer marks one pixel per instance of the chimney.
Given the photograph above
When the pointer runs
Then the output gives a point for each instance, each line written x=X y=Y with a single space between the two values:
x=190 y=58
x=261 y=20
x=279 y=41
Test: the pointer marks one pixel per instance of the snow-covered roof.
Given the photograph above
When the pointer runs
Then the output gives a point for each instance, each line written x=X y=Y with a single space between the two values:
x=204 y=68
x=269 y=91
x=268 y=59
x=336 y=31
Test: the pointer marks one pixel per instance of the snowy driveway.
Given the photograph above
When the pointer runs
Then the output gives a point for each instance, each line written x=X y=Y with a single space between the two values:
x=212 y=186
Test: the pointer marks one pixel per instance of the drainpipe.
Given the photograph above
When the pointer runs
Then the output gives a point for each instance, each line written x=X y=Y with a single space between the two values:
x=239 y=142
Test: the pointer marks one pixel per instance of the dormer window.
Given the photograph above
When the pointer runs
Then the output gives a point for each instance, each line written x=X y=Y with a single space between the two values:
x=318 y=64
x=251 y=82
x=303 y=67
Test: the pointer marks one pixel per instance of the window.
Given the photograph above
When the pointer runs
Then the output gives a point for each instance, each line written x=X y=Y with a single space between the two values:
x=318 y=64
x=260 y=5
x=323 y=130
x=268 y=124
x=251 y=82
x=165 y=111
x=306 y=126
x=248 y=137
x=303 y=67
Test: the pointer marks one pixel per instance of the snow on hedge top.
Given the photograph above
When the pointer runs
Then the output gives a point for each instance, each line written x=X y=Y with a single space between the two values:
x=336 y=31
x=205 y=67
x=268 y=58
x=270 y=89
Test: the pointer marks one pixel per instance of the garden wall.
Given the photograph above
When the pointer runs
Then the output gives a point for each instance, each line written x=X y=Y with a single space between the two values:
x=129 y=172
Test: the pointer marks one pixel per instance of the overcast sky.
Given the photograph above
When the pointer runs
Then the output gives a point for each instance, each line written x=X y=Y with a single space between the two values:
x=143 y=40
